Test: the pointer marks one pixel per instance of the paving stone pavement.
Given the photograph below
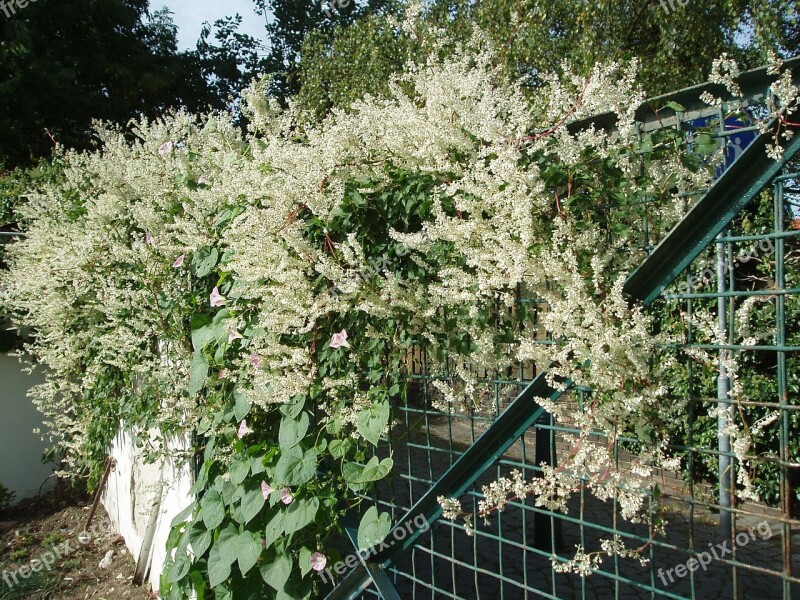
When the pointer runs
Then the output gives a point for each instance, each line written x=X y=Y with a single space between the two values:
x=501 y=560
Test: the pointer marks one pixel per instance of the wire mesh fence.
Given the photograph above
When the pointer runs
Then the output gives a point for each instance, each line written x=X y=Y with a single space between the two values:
x=715 y=546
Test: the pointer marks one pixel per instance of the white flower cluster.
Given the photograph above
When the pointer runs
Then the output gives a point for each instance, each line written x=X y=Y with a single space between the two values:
x=781 y=102
x=742 y=434
x=499 y=493
x=583 y=563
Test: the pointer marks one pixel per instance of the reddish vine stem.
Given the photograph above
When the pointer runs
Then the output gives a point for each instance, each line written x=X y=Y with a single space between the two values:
x=50 y=135
x=557 y=126
x=512 y=37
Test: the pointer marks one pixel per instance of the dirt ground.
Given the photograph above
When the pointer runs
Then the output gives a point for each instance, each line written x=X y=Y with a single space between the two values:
x=46 y=554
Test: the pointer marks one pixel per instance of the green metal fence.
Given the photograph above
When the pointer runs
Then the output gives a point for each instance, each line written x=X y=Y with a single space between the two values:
x=736 y=252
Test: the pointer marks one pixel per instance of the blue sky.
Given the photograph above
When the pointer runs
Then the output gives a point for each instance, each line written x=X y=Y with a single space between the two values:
x=190 y=14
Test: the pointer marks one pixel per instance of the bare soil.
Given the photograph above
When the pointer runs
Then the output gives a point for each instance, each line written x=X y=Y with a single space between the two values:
x=46 y=553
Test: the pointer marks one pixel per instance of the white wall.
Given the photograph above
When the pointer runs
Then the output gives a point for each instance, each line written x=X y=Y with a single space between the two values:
x=139 y=496
x=21 y=467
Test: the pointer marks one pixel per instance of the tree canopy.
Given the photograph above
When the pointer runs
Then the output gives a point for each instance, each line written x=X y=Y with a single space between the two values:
x=64 y=64
x=675 y=47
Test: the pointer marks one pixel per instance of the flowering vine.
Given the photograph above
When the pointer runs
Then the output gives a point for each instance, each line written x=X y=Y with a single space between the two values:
x=184 y=281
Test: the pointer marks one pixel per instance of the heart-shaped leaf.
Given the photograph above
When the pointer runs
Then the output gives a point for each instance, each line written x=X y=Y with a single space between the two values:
x=372 y=421
x=204 y=261
x=252 y=502
x=292 y=431
x=200 y=538
x=219 y=570
x=374 y=527
x=277 y=571
x=300 y=513
x=212 y=509
x=296 y=467
x=248 y=549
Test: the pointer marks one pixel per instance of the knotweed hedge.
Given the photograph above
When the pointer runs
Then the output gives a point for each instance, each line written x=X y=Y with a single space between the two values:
x=262 y=291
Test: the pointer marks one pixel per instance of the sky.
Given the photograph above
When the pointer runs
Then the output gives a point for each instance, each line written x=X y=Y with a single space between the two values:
x=190 y=14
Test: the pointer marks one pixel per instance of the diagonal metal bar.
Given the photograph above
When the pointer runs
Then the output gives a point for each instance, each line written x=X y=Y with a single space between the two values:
x=521 y=414
x=734 y=190
x=754 y=86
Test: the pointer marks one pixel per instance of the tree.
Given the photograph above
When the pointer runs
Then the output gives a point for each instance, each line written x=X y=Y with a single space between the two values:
x=293 y=20
x=233 y=62
x=675 y=42
x=63 y=64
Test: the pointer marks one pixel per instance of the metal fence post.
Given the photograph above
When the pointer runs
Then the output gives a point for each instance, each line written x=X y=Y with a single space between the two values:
x=546 y=528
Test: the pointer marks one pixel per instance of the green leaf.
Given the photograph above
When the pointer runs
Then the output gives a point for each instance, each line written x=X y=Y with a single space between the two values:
x=209 y=330
x=222 y=593
x=204 y=261
x=201 y=482
x=208 y=455
x=227 y=542
x=304 y=558
x=371 y=422
x=295 y=467
x=181 y=516
x=293 y=409
x=257 y=464
x=374 y=527
x=275 y=525
x=179 y=568
x=199 y=373
x=219 y=355
x=372 y=471
x=338 y=448
x=705 y=144
x=239 y=471
x=276 y=572
x=292 y=431
x=300 y=513
x=241 y=405
x=227 y=215
x=200 y=538
x=212 y=509
x=248 y=550
x=219 y=570
x=252 y=502
x=675 y=106
x=201 y=332
x=646 y=145
x=202 y=337
x=690 y=161
x=199 y=584
x=226 y=490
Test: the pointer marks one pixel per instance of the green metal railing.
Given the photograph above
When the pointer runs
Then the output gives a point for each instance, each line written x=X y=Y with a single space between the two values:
x=696 y=263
